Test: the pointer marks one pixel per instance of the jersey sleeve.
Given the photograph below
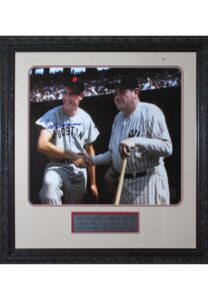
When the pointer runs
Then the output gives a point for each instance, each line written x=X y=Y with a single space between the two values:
x=102 y=159
x=156 y=125
x=47 y=121
x=91 y=133
x=158 y=140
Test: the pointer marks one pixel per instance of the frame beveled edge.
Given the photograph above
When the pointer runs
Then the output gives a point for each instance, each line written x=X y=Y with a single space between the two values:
x=8 y=47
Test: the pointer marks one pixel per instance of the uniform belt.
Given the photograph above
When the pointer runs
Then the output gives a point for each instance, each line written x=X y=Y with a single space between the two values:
x=65 y=161
x=134 y=175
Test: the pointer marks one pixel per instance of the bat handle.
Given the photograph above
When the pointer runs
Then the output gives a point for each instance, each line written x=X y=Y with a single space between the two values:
x=120 y=184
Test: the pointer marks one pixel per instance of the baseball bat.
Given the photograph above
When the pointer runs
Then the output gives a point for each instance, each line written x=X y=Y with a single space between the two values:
x=120 y=183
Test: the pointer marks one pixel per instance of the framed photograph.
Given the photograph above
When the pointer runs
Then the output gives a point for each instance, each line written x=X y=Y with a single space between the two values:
x=103 y=149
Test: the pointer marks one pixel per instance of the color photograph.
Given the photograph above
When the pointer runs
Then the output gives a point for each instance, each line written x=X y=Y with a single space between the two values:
x=89 y=125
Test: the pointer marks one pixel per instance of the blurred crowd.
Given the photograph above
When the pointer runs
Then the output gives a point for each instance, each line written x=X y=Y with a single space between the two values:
x=48 y=90
x=46 y=93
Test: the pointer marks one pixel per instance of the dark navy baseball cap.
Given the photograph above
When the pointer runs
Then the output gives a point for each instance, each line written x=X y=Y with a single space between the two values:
x=75 y=83
x=127 y=83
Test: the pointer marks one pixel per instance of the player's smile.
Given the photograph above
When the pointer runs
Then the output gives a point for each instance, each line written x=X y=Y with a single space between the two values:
x=70 y=104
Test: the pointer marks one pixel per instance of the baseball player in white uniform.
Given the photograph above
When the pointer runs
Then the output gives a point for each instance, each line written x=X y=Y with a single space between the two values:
x=67 y=130
x=139 y=132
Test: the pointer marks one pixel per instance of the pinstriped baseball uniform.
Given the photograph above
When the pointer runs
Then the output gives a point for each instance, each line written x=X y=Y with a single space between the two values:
x=147 y=125
x=71 y=134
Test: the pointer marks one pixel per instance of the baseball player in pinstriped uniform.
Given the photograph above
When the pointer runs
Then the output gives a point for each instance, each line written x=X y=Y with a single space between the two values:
x=67 y=130
x=139 y=132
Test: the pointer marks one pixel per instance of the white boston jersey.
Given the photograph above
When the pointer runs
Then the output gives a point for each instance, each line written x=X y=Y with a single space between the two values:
x=63 y=182
x=69 y=133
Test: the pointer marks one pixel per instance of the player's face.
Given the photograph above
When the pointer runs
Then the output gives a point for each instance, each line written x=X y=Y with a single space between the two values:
x=71 y=100
x=125 y=99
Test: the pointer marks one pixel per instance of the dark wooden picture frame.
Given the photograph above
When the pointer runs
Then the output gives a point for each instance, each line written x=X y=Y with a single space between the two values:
x=11 y=45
